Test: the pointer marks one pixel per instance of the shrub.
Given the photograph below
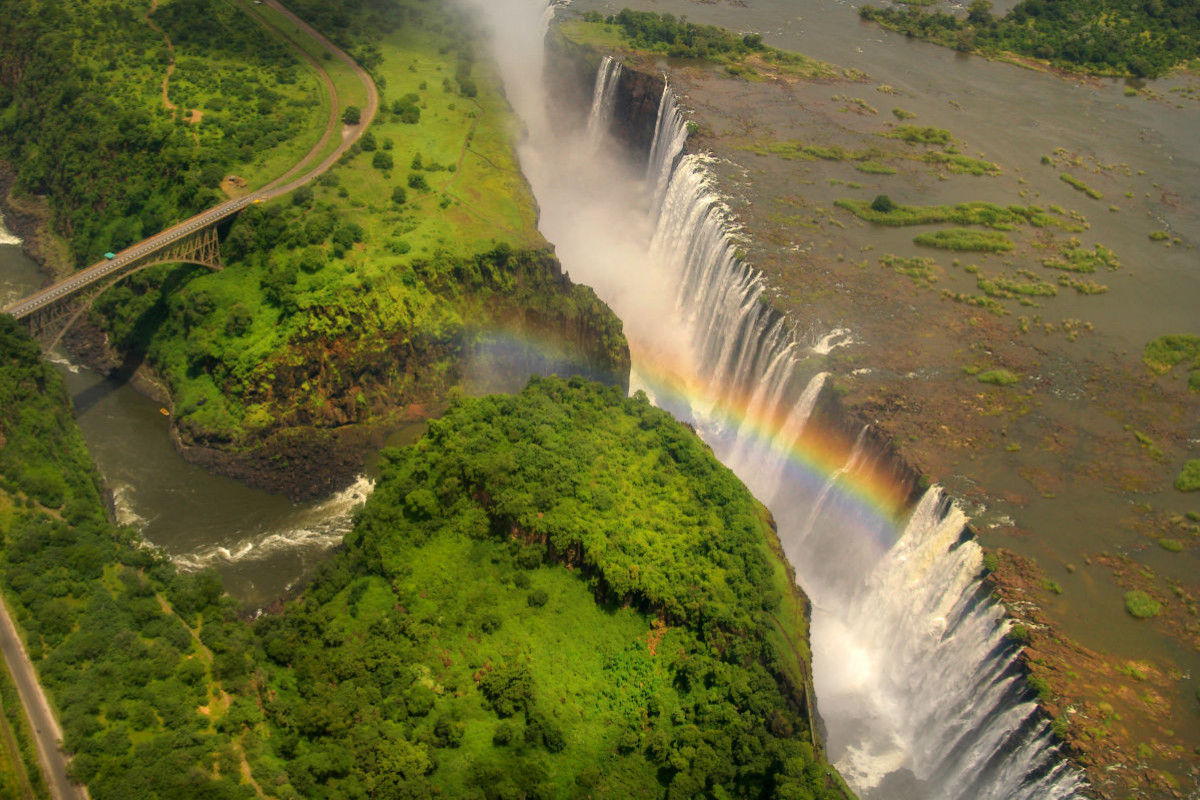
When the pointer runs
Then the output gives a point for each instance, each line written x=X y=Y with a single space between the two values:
x=1141 y=605
x=997 y=377
x=382 y=160
x=882 y=203
x=399 y=195
x=1189 y=476
x=417 y=181
x=966 y=240
x=538 y=598
x=352 y=115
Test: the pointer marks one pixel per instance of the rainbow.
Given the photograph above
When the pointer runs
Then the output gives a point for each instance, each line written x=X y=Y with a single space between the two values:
x=814 y=455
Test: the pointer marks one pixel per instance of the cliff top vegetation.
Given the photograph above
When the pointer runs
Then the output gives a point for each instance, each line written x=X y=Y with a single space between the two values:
x=743 y=55
x=1143 y=39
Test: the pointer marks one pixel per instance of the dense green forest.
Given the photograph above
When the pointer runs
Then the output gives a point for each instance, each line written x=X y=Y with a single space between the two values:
x=83 y=117
x=1143 y=38
x=560 y=593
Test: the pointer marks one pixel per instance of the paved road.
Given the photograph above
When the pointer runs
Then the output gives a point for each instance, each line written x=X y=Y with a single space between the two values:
x=77 y=281
x=45 y=726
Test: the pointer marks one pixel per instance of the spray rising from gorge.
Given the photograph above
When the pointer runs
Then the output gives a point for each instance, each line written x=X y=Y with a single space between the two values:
x=918 y=685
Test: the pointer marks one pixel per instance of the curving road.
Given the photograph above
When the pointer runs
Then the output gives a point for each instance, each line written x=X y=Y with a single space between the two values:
x=37 y=707
x=86 y=277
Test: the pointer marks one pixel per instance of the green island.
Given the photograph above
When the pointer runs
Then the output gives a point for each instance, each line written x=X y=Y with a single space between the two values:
x=1106 y=37
x=552 y=593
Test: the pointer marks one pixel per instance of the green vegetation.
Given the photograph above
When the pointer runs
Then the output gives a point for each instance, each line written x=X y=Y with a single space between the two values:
x=1141 y=605
x=1099 y=36
x=1068 y=178
x=1001 y=218
x=919 y=134
x=84 y=121
x=1007 y=288
x=395 y=286
x=923 y=271
x=1189 y=476
x=962 y=165
x=874 y=168
x=966 y=240
x=1171 y=545
x=1167 y=352
x=998 y=377
x=745 y=55
x=555 y=592
x=108 y=623
x=1076 y=258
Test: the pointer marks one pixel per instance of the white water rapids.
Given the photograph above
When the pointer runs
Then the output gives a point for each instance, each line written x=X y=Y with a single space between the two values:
x=917 y=684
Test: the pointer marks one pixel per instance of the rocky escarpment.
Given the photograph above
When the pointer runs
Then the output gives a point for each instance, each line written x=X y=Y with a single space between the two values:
x=571 y=78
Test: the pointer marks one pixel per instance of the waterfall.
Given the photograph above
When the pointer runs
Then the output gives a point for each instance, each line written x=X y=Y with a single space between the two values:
x=670 y=134
x=919 y=686
x=603 y=98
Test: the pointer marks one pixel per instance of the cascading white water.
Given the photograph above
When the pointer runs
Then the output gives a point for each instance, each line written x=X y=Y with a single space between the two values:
x=603 y=99
x=7 y=236
x=915 y=679
x=936 y=707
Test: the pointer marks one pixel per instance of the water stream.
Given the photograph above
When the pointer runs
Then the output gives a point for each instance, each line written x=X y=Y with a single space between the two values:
x=262 y=544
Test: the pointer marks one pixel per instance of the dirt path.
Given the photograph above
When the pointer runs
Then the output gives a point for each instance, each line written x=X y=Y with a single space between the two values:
x=166 y=81
x=46 y=732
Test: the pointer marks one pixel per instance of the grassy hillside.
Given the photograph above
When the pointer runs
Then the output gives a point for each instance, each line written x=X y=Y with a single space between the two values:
x=560 y=593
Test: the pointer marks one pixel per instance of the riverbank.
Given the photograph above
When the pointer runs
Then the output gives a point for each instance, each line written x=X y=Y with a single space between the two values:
x=923 y=339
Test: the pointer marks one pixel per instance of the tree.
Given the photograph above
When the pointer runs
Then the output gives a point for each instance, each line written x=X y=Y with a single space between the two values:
x=352 y=115
x=382 y=160
x=399 y=195
x=883 y=204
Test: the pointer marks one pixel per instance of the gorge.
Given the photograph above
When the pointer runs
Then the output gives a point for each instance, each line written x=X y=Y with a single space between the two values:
x=705 y=348
x=919 y=682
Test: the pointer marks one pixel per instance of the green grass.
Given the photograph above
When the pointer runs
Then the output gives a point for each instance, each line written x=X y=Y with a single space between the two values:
x=998 y=377
x=1002 y=218
x=922 y=270
x=1068 y=178
x=1189 y=476
x=1007 y=288
x=962 y=165
x=919 y=134
x=1077 y=258
x=1141 y=605
x=874 y=168
x=966 y=240
x=1171 y=545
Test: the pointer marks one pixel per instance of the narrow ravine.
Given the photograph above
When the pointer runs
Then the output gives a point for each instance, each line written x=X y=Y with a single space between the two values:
x=916 y=680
